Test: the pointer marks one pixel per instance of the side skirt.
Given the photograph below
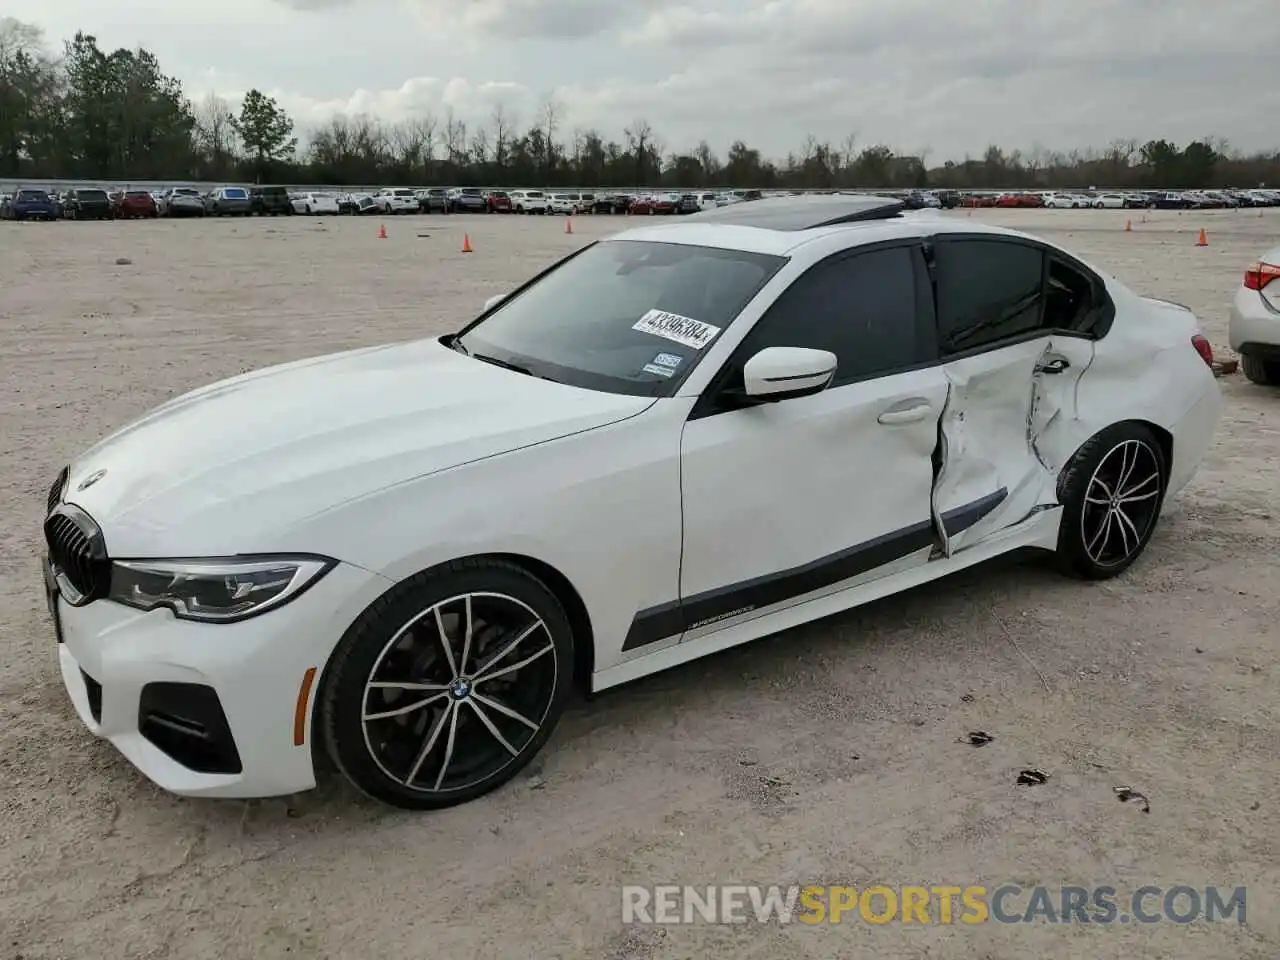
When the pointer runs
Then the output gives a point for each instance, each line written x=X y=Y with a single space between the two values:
x=1039 y=531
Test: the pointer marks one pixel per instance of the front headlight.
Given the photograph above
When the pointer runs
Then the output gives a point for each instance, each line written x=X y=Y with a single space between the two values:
x=216 y=590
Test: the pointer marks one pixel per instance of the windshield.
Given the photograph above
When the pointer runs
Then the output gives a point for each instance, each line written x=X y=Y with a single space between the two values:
x=623 y=316
x=91 y=194
x=32 y=195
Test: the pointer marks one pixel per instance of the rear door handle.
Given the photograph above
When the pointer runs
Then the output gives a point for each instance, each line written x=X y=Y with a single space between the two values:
x=908 y=411
x=1056 y=365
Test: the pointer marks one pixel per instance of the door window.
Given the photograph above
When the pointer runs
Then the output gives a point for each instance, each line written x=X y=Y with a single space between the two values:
x=1069 y=297
x=988 y=291
x=862 y=308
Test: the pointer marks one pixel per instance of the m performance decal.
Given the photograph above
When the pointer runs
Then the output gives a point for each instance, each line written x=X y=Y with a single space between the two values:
x=668 y=619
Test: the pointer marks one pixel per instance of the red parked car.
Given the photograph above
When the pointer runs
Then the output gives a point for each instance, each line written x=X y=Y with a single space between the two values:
x=499 y=201
x=136 y=203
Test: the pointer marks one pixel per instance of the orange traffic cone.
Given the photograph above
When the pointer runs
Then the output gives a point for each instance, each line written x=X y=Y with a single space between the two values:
x=1204 y=239
x=568 y=224
x=382 y=232
x=1128 y=226
x=466 y=243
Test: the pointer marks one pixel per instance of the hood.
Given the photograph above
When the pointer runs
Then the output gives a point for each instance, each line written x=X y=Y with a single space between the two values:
x=226 y=467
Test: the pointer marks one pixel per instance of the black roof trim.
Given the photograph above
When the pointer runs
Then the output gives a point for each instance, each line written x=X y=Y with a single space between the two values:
x=802 y=213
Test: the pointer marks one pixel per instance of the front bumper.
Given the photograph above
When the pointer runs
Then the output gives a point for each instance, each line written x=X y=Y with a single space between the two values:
x=209 y=709
x=1253 y=324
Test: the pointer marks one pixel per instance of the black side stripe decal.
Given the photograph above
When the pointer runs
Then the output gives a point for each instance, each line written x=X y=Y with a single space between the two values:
x=962 y=518
x=668 y=619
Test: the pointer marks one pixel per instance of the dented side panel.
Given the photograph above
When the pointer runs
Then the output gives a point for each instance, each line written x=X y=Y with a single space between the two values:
x=985 y=442
x=1055 y=428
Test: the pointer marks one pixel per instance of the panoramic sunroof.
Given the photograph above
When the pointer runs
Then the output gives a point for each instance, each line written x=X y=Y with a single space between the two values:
x=801 y=213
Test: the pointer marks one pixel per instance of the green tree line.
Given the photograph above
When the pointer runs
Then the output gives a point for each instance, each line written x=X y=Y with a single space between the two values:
x=88 y=113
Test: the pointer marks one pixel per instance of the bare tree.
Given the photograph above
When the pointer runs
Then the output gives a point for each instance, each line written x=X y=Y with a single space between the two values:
x=710 y=163
x=849 y=155
x=215 y=131
x=455 y=138
x=639 y=138
x=480 y=148
x=412 y=142
x=549 y=119
x=502 y=124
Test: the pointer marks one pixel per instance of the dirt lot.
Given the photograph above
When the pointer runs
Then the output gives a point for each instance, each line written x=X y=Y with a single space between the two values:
x=827 y=754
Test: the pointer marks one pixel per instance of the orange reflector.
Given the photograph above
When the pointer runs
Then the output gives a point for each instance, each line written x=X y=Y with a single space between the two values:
x=300 y=711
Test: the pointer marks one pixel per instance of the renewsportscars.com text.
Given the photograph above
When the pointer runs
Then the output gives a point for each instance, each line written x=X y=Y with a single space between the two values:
x=933 y=904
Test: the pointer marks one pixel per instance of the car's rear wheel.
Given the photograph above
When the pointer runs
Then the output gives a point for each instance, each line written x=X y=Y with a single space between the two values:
x=1111 y=492
x=447 y=686
x=1263 y=372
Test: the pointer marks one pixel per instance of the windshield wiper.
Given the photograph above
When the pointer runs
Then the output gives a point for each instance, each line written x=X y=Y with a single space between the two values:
x=504 y=364
x=456 y=344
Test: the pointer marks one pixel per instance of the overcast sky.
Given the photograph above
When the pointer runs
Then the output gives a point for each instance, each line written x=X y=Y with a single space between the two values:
x=912 y=74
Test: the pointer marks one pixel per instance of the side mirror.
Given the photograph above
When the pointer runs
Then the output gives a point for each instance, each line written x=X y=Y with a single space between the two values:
x=782 y=373
x=494 y=301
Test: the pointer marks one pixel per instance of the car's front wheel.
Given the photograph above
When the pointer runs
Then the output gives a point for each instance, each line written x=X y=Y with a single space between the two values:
x=1111 y=493
x=448 y=685
x=1265 y=373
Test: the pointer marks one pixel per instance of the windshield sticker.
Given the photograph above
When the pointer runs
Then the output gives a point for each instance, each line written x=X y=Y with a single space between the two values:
x=658 y=369
x=668 y=360
x=678 y=329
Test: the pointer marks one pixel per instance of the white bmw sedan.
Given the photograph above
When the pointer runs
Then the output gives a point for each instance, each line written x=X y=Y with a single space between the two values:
x=672 y=442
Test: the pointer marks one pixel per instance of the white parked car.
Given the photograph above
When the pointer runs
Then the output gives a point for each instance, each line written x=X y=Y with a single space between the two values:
x=529 y=201
x=566 y=203
x=675 y=441
x=396 y=200
x=1254 y=327
x=1109 y=201
x=1060 y=201
x=316 y=204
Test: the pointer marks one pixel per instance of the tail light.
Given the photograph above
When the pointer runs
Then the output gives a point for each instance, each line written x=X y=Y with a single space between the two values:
x=1260 y=276
x=1203 y=348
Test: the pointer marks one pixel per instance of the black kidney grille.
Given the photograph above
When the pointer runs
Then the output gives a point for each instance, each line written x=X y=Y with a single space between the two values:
x=55 y=492
x=76 y=549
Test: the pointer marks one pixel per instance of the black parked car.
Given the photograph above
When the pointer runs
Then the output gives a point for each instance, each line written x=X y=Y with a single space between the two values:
x=270 y=201
x=611 y=203
x=87 y=205
x=688 y=203
x=1168 y=201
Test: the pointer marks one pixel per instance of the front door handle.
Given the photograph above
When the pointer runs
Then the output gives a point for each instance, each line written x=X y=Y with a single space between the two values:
x=908 y=411
x=1056 y=365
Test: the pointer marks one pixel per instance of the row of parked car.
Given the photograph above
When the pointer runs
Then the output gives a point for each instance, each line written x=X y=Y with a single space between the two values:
x=524 y=201
x=97 y=204
x=1123 y=200
x=87 y=203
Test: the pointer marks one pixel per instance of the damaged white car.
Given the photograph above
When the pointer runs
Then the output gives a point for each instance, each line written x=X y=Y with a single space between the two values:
x=674 y=441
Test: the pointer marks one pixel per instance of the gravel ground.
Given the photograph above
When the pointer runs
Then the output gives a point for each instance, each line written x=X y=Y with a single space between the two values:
x=825 y=754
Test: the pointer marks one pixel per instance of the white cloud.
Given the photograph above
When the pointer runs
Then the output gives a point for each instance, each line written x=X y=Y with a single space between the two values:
x=911 y=73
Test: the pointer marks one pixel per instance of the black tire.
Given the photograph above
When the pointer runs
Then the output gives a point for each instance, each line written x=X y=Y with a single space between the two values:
x=410 y=747
x=1097 y=539
x=1265 y=373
